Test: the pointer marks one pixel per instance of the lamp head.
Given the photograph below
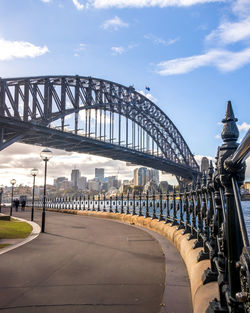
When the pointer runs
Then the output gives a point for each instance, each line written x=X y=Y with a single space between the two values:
x=34 y=171
x=13 y=181
x=46 y=154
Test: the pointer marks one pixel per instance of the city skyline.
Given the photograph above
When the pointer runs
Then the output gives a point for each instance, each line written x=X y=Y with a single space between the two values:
x=192 y=57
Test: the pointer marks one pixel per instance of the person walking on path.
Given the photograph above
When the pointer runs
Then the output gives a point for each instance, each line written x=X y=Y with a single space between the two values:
x=16 y=202
x=23 y=203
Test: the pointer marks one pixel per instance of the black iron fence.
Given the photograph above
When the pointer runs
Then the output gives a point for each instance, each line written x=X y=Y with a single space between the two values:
x=209 y=211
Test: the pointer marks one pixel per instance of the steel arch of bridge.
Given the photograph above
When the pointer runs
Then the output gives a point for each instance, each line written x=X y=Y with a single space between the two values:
x=30 y=106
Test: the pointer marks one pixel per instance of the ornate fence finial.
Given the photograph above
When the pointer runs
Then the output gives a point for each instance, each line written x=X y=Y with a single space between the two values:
x=204 y=179
x=193 y=184
x=230 y=132
x=210 y=173
x=198 y=181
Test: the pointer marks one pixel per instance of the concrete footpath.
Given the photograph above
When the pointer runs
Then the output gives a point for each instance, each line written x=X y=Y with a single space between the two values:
x=86 y=264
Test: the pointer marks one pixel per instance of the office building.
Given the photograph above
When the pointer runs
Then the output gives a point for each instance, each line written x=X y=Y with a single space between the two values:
x=59 y=180
x=99 y=173
x=75 y=175
x=82 y=184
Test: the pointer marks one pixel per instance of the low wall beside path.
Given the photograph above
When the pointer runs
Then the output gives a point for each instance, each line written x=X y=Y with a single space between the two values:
x=201 y=294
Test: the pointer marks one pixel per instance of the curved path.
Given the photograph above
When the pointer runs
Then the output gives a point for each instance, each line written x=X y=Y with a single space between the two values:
x=84 y=264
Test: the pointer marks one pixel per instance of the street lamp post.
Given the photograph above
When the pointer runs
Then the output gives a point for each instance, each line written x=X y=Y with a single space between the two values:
x=45 y=155
x=33 y=172
x=1 y=197
x=13 y=181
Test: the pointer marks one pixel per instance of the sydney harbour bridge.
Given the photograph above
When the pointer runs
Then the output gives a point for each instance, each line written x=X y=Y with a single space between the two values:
x=95 y=116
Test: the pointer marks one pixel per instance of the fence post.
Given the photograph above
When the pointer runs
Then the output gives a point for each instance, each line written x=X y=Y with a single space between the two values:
x=174 y=222
x=116 y=203
x=199 y=241
x=204 y=254
x=211 y=273
x=88 y=197
x=167 y=209
x=98 y=202
x=127 y=212
x=229 y=238
x=154 y=208
x=160 y=213
x=122 y=204
x=140 y=206
x=181 y=224
x=187 y=209
x=133 y=209
x=146 y=212
x=234 y=242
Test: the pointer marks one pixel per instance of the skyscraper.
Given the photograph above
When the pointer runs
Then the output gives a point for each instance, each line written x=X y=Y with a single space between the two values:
x=82 y=184
x=99 y=173
x=136 y=183
x=154 y=175
x=141 y=176
x=75 y=175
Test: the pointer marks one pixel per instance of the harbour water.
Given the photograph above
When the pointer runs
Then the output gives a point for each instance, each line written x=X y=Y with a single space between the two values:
x=246 y=211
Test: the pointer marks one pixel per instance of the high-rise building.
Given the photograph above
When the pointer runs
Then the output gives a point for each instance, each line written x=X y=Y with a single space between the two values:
x=154 y=175
x=82 y=184
x=136 y=183
x=99 y=173
x=59 y=180
x=143 y=175
x=75 y=175
x=94 y=184
x=113 y=182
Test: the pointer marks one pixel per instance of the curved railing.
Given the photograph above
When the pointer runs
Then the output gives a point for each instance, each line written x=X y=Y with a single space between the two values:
x=209 y=211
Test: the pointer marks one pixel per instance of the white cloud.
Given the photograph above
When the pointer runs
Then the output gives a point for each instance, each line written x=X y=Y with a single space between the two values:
x=117 y=50
x=241 y=8
x=114 y=24
x=101 y=4
x=78 y=5
x=46 y=1
x=148 y=95
x=17 y=160
x=81 y=47
x=244 y=127
x=224 y=60
x=19 y=49
x=229 y=32
x=160 y=41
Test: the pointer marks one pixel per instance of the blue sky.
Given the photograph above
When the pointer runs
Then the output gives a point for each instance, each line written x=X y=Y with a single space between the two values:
x=194 y=55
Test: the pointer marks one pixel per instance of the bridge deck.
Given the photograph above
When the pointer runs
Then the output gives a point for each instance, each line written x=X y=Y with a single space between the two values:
x=53 y=138
x=89 y=265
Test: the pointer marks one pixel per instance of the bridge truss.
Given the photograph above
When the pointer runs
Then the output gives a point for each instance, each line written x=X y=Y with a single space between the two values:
x=95 y=116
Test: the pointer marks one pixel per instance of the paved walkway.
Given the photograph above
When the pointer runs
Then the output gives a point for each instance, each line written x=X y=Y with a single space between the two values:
x=90 y=265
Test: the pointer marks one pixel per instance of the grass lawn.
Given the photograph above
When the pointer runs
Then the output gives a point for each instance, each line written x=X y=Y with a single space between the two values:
x=3 y=245
x=14 y=229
